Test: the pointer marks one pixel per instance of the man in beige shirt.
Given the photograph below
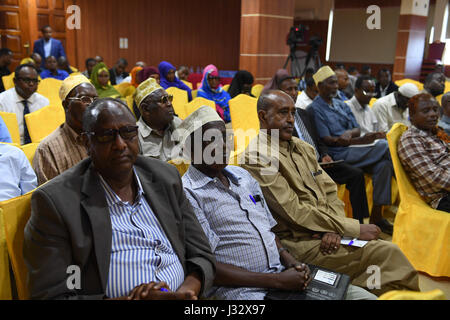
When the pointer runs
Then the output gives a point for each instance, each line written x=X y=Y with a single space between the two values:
x=311 y=218
x=60 y=150
x=157 y=123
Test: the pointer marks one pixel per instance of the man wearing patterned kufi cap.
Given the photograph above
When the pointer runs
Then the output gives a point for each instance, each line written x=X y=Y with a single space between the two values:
x=60 y=150
x=157 y=122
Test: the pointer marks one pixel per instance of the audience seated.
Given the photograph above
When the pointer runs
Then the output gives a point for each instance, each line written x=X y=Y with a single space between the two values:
x=393 y=107
x=274 y=83
x=183 y=73
x=5 y=60
x=343 y=83
x=48 y=46
x=366 y=70
x=90 y=64
x=134 y=76
x=129 y=210
x=149 y=72
x=424 y=154
x=308 y=95
x=434 y=84
x=342 y=173
x=37 y=61
x=241 y=84
x=63 y=64
x=444 y=123
x=117 y=74
x=303 y=200
x=212 y=90
x=168 y=78
x=62 y=149
x=308 y=75
x=17 y=176
x=157 y=122
x=339 y=130
x=100 y=80
x=250 y=257
x=51 y=70
x=23 y=98
x=4 y=132
x=384 y=85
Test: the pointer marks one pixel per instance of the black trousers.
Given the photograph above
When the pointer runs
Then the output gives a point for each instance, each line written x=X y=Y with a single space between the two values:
x=444 y=204
x=353 y=178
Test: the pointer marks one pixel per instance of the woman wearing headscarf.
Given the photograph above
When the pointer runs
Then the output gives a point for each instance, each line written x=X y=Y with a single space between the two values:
x=134 y=72
x=100 y=80
x=168 y=79
x=212 y=90
x=241 y=84
x=275 y=82
x=149 y=72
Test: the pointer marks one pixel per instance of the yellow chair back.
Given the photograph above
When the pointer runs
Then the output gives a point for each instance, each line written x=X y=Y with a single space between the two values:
x=49 y=88
x=187 y=83
x=29 y=149
x=5 y=277
x=180 y=98
x=197 y=103
x=257 y=89
x=244 y=120
x=417 y=223
x=403 y=81
x=226 y=87
x=130 y=100
x=10 y=120
x=122 y=88
x=199 y=84
x=8 y=81
x=16 y=213
x=413 y=295
x=182 y=165
x=372 y=101
x=74 y=70
x=44 y=121
x=194 y=94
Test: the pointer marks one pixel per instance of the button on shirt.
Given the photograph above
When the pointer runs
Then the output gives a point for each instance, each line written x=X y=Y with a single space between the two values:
x=10 y=101
x=140 y=250
x=388 y=113
x=365 y=117
x=156 y=146
x=238 y=229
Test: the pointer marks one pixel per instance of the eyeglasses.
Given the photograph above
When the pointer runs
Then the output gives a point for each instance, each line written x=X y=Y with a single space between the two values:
x=107 y=136
x=84 y=99
x=369 y=94
x=29 y=80
x=165 y=99
x=213 y=78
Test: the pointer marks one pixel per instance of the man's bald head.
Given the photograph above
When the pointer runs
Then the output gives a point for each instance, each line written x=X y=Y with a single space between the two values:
x=268 y=97
x=92 y=113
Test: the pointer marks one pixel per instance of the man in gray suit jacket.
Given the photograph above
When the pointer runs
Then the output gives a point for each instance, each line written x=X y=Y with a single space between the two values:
x=116 y=225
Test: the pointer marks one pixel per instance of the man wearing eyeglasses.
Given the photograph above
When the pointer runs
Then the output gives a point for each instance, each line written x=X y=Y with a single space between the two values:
x=121 y=218
x=61 y=150
x=23 y=98
x=157 y=123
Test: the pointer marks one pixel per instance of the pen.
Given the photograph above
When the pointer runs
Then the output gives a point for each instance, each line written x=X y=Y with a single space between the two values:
x=351 y=242
x=253 y=199
x=163 y=290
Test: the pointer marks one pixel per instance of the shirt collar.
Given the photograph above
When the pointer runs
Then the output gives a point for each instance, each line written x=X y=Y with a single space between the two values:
x=112 y=198
x=199 y=179
x=18 y=98
x=356 y=103
x=145 y=130
x=420 y=132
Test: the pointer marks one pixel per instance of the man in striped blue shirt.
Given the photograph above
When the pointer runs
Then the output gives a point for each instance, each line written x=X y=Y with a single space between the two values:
x=122 y=219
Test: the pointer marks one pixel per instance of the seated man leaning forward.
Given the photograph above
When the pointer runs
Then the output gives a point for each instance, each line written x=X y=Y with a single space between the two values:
x=62 y=149
x=339 y=130
x=303 y=200
x=231 y=208
x=121 y=219
x=425 y=155
x=157 y=122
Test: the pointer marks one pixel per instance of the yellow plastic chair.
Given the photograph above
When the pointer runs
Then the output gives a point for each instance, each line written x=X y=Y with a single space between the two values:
x=187 y=83
x=257 y=89
x=226 y=87
x=29 y=149
x=130 y=100
x=5 y=277
x=180 y=98
x=8 y=81
x=197 y=103
x=10 y=120
x=194 y=94
x=403 y=81
x=413 y=295
x=44 y=121
x=74 y=70
x=244 y=120
x=122 y=88
x=49 y=88
x=422 y=233
x=372 y=101
x=16 y=213
x=182 y=165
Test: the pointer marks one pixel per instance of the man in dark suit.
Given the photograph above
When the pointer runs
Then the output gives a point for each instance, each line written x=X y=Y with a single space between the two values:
x=120 y=219
x=47 y=46
x=341 y=173
x=384 y=84
x=117 y=74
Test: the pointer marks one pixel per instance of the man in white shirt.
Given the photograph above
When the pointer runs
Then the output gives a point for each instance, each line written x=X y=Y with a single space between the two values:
x=394 y=107
x=308 y=95
x=359 y=104
x=23 y=98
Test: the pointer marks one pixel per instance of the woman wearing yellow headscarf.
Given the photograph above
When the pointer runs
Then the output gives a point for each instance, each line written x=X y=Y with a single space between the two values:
x=100 y=80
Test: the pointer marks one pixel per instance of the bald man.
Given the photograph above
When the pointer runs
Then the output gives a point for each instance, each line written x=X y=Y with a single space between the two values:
x=444 y=123
x=425 y=157
x=343 y=83
x=303 y=199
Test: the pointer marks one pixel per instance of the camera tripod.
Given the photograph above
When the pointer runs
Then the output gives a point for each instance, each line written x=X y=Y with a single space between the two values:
x=296 y=68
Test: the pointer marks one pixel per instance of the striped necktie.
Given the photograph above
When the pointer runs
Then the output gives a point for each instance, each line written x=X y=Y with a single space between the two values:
x=26 y=135
x=305 y=134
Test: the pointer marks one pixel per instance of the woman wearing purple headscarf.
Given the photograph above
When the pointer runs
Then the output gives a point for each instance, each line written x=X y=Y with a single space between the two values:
x=149 y=72
x=168 y=79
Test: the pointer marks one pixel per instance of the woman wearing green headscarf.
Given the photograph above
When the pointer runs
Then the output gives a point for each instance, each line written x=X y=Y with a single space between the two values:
x=100 y=80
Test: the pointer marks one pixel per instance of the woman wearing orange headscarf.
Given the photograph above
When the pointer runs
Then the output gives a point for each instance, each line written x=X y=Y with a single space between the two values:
x=134 y=78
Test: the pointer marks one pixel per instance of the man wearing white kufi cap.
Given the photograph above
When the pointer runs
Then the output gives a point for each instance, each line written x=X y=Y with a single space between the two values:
x=339 y=130
x=394 y=107
x=158 y=121
x=60 y=150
